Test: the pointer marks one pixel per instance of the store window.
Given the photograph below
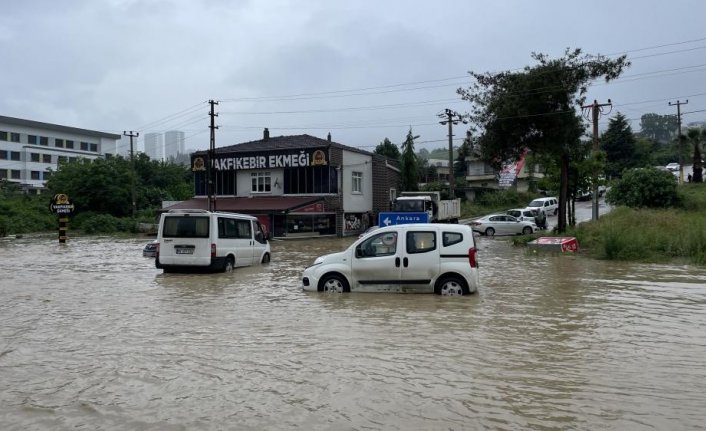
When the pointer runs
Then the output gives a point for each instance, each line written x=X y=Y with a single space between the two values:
x=357 y=182
x=310 y=224
x=261 y=182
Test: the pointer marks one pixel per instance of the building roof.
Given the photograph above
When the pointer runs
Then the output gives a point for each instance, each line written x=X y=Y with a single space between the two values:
x=241 y=204
x=56 y=127
x=291 y=142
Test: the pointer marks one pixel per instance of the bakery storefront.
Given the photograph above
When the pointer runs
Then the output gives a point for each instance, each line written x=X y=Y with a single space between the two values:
x=298 y=186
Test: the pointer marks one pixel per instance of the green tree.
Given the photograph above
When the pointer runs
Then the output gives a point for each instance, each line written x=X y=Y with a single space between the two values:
x=410 y=173
x=536 y=109
x=696 y=137
x=105 y=185
x=464 y=151
x=618 y=142
x=661 y=128
x=388 y=149
x=644 y=187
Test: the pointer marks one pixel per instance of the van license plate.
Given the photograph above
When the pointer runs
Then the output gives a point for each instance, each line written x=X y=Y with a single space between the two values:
x=184 y=251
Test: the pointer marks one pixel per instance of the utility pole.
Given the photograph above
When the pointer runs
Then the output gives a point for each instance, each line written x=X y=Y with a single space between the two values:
x=595 y=109
x=680 y=142
x=132 y=134
x=211 y=157
x=451 y=118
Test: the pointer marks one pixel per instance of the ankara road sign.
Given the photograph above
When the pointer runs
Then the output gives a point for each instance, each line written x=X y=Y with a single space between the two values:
x=390 y=218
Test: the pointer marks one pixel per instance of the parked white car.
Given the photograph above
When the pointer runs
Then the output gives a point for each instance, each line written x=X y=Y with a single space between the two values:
x=672 y=167
x=409 y=258
x=522 y=214
x=502 y=224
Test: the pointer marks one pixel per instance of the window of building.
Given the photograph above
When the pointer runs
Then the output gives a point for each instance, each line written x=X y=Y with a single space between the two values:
x=34 y=157
x=393 y=195
x=15 y=155
x=3 y=174
x=357 y=184
x=58 y=143
x=32 y=139
x=69 y=144
x=84 y=146
x=15 y=137
x=73 y=159
x=3 y=136
x=62 y=159
x=15 y=174
x=47 y=175
x=313 y=179
x=94 y=148
x=43 y=140
x=35 y=175
x=261 y=182
x=3 y=154
x=46 y=158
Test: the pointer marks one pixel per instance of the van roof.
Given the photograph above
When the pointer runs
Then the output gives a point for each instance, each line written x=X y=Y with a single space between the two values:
x=176 y=212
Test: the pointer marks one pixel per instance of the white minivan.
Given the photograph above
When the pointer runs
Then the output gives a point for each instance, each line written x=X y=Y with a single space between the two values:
x=202 y=240
x=550 y=206
x=411 y=258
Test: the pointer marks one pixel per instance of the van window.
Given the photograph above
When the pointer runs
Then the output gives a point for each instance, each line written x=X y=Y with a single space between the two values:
x=185 y=227
x=451 y=238
x=421 y=242
x=384 y=244
x=234 y=228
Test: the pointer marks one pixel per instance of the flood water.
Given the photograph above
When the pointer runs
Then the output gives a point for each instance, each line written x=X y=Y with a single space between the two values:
x=93 y=337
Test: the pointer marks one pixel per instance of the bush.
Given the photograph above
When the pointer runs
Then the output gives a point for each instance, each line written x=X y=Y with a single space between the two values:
x=645 y=188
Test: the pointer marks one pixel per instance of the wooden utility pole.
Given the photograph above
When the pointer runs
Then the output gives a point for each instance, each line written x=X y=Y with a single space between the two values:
x=680 y=141
x=211 y=157
x=451 y=118
x=132 y=134
x=596 y=109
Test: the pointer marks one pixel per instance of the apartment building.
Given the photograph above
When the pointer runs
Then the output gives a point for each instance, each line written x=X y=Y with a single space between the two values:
x=31 y=150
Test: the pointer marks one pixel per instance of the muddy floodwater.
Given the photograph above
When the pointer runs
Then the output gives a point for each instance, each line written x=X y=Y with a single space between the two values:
x=93 y=337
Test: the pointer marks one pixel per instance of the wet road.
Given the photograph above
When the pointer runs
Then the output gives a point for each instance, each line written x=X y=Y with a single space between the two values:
x=92 y=337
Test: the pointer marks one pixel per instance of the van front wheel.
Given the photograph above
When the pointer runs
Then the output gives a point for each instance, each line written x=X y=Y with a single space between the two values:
x=266 y=258
x=334 y=283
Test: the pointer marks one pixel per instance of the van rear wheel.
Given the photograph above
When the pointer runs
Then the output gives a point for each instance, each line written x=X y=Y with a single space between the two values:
x=490 y=231
x=229 y=264
x=451 y=286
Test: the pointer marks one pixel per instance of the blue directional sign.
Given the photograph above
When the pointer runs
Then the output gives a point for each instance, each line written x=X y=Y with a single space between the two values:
x=390 y=218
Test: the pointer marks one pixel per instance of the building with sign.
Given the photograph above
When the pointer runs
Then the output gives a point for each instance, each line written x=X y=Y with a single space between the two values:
x=30 y=150
x=297 y=185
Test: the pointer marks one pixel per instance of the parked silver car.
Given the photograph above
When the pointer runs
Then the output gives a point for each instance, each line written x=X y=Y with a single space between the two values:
x=502 y=224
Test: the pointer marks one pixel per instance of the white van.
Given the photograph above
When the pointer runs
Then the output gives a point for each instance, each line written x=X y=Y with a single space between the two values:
x=411 y=258
x=203 y=240
x=550 y=206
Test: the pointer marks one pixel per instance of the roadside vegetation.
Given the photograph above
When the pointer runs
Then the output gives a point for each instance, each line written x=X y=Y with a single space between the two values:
x=101 y=191
x=650 y=231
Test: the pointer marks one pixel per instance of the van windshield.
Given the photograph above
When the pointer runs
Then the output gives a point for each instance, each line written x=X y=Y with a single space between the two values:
x=536 y=203
x=185 y=227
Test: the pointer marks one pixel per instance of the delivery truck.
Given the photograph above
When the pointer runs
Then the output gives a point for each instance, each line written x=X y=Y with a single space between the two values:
x=439 y=210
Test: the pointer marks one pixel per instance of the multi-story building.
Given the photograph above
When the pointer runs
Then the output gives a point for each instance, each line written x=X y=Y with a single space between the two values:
x=297 y=185
x=154 y=146
x=174 y=144
x=31 y=150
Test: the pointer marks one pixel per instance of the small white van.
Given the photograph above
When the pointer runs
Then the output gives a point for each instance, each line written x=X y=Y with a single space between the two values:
x=199 y=240
x=410 y=258
x=550 y=206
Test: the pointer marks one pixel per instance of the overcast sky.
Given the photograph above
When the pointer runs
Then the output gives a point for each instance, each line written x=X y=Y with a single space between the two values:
x=361 y=70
